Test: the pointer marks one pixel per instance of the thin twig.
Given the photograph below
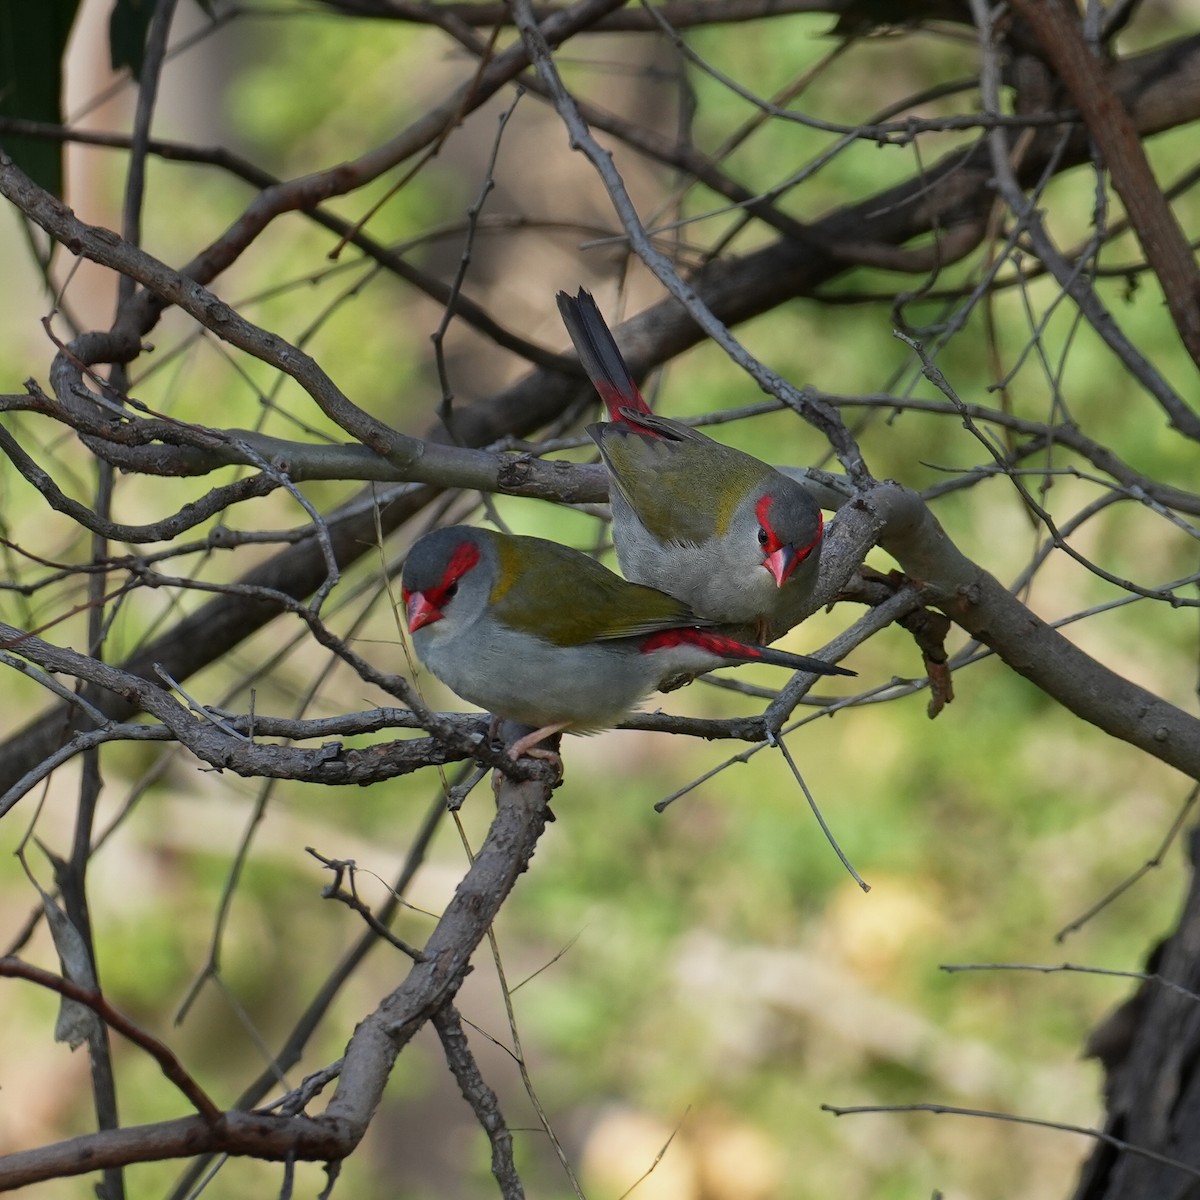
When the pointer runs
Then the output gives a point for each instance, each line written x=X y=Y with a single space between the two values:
x=1098 y=1135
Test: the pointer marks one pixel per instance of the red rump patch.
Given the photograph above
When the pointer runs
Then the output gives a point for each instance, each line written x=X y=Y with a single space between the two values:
x=624 y=407
x=614 y=396
x=703 y=639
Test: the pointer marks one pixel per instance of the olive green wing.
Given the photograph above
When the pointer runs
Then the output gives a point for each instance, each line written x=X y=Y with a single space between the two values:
x=683 y=486
x=569 y=599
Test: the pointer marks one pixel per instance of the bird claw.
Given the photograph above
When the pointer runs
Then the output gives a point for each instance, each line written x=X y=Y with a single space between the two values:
x=527 y=747
x=674 y=682
x=546 y=755
x=539 y=752
x=529 y=744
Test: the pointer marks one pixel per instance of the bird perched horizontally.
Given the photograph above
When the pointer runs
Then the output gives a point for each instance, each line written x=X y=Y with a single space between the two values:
x=732 y=537
x=541 y=634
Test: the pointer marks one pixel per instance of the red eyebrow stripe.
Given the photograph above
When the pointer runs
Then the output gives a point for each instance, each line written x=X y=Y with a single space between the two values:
x=465 y=556
x=762 y=510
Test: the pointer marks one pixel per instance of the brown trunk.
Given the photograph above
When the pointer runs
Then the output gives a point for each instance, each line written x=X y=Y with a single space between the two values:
x=1151 y=1047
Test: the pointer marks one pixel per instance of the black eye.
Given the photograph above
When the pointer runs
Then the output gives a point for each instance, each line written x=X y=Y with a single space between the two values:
x=763 y=536
x=451 y=589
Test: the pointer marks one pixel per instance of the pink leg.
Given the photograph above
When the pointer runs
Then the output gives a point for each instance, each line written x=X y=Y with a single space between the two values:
x=527 y=744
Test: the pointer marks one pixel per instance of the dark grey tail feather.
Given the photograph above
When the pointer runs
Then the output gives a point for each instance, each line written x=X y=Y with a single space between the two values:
x=594 y=342
x=797 y=662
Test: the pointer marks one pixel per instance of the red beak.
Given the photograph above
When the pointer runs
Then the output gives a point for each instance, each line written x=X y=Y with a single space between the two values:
x=781 y=563
x=420 y=611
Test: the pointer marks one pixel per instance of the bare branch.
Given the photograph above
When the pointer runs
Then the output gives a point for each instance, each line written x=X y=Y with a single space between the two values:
x=172 y=1068
x=1057 y=27
x=1098 y=1135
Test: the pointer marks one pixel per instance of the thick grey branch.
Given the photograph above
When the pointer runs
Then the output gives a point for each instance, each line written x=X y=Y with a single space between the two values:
x=898 y=520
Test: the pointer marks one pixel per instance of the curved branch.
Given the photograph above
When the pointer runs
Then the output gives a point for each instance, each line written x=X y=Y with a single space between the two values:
x=430 y=985
x=164 y=529
x=684 y=14
x=469 y=311
x=225 y=748
x=433 y=982
x=1160 y=88
x=902 y=525
x=260 y=1135
x=14 y=968
x=1057 y=28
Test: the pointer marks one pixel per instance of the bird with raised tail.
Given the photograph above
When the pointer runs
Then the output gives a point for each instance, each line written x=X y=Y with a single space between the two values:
x=732 y=537
x=539 y=633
